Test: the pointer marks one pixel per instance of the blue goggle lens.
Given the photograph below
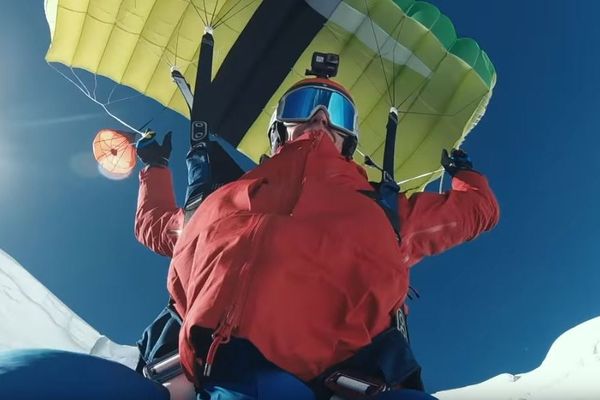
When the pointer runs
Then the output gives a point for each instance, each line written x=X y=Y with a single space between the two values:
x=299 y=105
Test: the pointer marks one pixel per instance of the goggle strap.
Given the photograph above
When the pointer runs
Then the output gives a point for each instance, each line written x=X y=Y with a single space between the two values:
x=277 y=134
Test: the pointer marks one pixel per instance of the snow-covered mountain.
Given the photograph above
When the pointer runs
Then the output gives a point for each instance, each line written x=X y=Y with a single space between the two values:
x=570 y=371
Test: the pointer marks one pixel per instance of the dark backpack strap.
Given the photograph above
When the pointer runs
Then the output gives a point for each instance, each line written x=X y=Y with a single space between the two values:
x=386 y=196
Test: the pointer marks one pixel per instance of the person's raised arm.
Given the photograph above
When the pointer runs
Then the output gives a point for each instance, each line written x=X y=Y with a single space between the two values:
x=158 y=220
x=432 y=222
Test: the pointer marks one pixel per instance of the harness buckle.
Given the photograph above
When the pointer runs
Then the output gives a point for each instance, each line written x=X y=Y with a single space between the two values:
x=349 y=386
x=400 y=322
x=164 y=369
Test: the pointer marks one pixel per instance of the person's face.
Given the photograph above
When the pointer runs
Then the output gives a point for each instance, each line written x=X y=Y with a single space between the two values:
x=319 y=121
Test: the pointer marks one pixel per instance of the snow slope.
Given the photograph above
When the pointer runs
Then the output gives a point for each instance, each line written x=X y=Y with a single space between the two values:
x=570 y=371
x=32 y=317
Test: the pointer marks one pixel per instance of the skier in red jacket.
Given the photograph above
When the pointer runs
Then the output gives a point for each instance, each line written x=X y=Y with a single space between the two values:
x=296 y=260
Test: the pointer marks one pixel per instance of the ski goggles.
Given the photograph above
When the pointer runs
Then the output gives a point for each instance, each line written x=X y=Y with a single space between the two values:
x=301 y=104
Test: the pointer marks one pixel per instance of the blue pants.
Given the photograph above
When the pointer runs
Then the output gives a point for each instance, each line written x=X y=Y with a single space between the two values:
x=240 y=372
x=277 y=385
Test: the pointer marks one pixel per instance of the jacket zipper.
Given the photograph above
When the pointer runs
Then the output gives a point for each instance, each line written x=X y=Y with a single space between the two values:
x=222 y=334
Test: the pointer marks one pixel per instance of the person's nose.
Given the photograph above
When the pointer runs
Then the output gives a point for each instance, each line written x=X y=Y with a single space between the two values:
x=320 y=117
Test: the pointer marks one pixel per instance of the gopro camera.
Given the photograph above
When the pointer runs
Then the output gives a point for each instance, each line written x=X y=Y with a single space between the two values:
x=324 y=65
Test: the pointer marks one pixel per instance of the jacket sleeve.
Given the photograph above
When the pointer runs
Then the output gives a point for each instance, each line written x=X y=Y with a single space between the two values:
x=158 y=220
x=433 y=222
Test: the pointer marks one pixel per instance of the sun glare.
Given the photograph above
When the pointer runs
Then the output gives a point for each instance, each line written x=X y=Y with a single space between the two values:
x=8 y=171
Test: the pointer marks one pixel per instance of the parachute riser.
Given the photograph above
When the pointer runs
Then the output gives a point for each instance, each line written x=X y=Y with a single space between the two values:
x=198 y=158
x=200 y=123
x=389 y=151
x=209 y=162
x=388 y=189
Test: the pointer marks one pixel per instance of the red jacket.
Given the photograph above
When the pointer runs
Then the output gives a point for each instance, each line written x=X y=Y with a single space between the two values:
x=293 y=258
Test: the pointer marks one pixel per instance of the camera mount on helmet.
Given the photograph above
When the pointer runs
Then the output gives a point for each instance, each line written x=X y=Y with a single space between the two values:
x=323 y=65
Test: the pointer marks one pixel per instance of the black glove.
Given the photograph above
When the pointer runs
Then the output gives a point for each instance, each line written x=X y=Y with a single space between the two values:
x=153 y=154
x=458 y=160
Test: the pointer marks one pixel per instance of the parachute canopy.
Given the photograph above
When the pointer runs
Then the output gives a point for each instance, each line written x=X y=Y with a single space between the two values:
x=393 y=53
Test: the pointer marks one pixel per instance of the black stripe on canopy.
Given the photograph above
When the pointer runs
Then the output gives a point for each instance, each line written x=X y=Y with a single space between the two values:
x=261 y=58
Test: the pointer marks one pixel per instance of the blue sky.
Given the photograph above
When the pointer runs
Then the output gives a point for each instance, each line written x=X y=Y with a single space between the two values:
x=493 y=305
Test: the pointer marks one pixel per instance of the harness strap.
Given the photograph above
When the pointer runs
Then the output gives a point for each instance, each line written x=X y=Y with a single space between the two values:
x=386 y=196
x=210 y=166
